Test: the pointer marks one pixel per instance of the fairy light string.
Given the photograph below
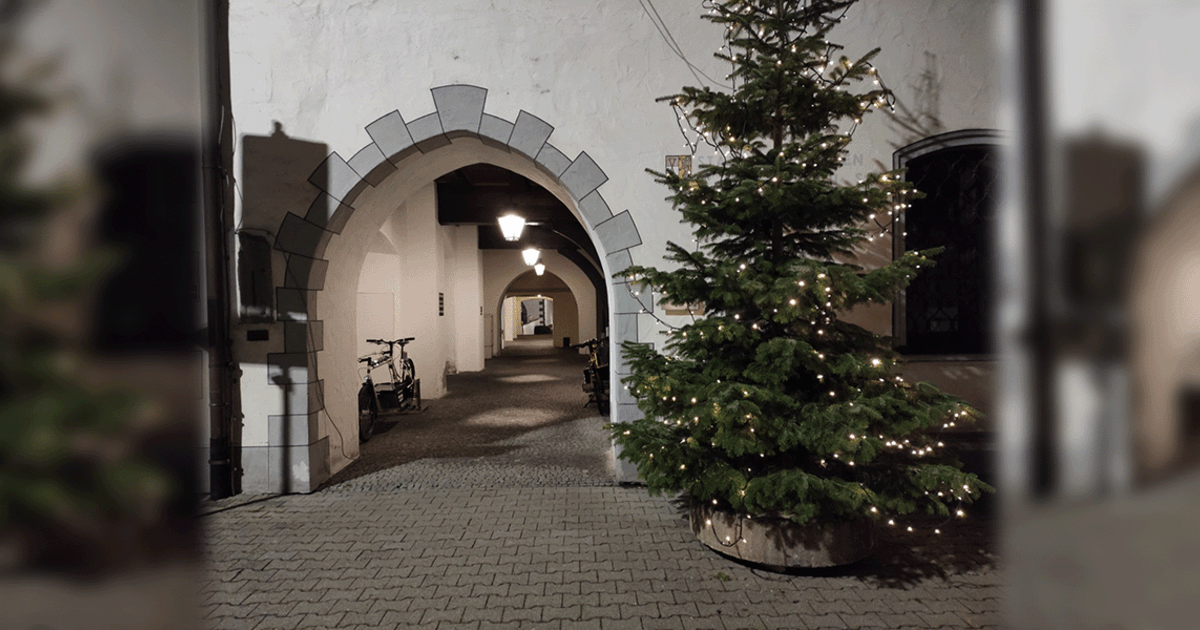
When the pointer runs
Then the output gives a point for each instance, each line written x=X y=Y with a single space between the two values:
x=883 y=194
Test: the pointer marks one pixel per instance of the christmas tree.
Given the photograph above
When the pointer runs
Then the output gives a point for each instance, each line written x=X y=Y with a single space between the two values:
x=767 y=401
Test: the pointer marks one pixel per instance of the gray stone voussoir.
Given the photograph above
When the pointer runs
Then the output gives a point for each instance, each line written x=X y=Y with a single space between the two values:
x=371 y=165
x=390 y=133
x=553 y=160
x=293 y=429
x=460 y=108
x=290 y=368
x=305 y=272
x=619 y=261
x=583 y=176
x=529 y=134
x=594 y=209
x=495 y=131
x=297 y=236
x=427 y=133
x=335 y=176
x=307 y=336
x=628 y=303
x=618 y=233
x=328 y=213
x=296 y=305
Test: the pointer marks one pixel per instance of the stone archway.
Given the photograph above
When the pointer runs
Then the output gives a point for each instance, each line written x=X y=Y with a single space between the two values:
x=305 y=236
x=582 y=291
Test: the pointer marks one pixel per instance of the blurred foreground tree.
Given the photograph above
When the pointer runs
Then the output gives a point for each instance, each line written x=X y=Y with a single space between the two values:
x=73 y=493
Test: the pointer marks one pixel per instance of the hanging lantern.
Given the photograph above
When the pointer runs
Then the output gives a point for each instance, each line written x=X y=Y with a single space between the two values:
x=511 y=226
x=539 y=268
x=530 y=255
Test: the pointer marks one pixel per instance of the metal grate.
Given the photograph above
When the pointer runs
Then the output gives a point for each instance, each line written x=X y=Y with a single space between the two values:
x=948 y=307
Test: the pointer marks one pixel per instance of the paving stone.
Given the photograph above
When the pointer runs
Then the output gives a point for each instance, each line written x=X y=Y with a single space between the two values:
x=868 y=620
x=483 y=613
x=612 y=611
x=522 y=614
x=701 y=623
x=277 y=609
x=282 y=623
x=620 y=624
x=665 y=623
x=407 y=619
x=935 y=620
x=529 y=539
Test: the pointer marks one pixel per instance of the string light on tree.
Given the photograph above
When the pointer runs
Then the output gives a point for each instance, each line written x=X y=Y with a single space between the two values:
x=793 y=395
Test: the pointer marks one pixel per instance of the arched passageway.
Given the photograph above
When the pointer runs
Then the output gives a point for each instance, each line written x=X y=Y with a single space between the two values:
x=573 y=303
x=326 y=243
x=520 y=421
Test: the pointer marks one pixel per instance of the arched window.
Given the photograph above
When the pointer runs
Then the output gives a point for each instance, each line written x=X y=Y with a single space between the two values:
x=947 y=309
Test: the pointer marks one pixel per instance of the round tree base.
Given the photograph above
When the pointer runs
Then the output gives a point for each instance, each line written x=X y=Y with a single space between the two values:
x=780 y=544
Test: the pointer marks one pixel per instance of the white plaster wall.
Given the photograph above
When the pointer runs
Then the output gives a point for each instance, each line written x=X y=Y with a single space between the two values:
x=378 y=300
x=421 y=244
x=591 y=69
x=468 y=299
x=506 y=325
x=326 y=68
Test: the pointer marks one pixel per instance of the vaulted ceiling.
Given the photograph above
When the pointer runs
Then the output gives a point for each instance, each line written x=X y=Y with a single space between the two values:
x=480 y=193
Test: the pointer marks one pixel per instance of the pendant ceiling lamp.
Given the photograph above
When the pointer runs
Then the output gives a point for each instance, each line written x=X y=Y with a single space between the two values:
x=511 y=226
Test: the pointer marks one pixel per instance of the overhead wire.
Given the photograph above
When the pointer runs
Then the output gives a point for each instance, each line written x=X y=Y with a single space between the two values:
x=660 y=25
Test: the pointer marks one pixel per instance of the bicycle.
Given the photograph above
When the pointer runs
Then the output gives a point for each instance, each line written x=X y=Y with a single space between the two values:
x=401 y=393
x=595 y=375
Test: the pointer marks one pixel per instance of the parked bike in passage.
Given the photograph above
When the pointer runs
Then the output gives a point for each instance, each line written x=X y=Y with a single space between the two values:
x=595 y=375
x=401 y=393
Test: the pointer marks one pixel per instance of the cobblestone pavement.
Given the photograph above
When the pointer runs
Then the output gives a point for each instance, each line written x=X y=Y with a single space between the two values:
x=534 y=536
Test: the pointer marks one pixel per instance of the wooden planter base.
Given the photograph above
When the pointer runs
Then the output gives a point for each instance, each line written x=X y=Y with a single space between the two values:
x=780 y=544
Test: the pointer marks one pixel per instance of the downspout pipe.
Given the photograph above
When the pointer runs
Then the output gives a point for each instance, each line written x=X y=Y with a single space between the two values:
x=215 y=129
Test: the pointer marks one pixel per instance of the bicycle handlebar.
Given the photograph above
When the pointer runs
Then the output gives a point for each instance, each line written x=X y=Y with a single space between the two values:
x=381 y=342
x=589 y=343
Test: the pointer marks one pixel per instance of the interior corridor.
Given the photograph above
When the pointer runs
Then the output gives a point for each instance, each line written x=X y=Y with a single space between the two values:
x=519 y=422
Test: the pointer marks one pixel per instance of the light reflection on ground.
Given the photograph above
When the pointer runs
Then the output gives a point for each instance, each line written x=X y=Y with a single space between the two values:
x=513 y=417
x=527 y=378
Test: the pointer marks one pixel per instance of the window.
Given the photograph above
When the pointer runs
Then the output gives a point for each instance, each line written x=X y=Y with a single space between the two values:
x=947 y=308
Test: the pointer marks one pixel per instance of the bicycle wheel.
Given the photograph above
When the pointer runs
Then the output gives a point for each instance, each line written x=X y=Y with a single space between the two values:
x=367 y=414
x=601 y=389
x=602 y=398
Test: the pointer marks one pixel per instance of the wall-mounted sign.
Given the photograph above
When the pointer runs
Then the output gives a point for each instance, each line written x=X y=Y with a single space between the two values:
x=681 y=165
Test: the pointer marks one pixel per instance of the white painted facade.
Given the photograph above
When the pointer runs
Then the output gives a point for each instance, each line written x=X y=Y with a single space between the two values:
x=309 y=81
